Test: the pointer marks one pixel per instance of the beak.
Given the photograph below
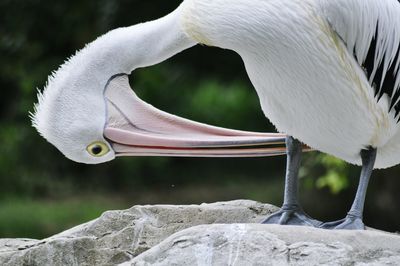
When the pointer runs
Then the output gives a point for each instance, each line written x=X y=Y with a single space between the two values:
x=136 y=128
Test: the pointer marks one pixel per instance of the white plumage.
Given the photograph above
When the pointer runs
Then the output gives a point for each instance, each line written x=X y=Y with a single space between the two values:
x=305 y=58
x=299 y=56
x=359 y=22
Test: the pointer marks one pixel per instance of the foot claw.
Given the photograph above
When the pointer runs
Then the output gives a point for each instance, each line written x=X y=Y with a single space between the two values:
x=291 y=217
x=348 y=223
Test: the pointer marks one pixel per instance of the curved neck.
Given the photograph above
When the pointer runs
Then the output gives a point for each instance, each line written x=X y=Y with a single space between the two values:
x=145 y=44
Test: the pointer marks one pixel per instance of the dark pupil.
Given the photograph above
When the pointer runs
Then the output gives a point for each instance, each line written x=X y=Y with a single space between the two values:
x=97 y=150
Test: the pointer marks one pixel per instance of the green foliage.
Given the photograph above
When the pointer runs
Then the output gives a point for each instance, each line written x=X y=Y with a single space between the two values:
x=336 y=176
x=229 y=105
x=325 y=171
x=39 y=219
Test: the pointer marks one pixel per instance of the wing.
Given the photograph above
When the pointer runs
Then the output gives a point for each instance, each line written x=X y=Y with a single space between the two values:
x=371 y=31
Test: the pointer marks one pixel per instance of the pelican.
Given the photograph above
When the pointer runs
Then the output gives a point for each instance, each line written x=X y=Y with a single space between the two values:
x=326 y=73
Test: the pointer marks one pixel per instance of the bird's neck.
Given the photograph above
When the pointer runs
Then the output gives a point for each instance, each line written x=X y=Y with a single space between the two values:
x=145 y=44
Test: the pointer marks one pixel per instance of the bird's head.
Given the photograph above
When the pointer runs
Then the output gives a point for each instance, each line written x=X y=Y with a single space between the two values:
x=71 y=110
x=94 y=126
x=90 y=113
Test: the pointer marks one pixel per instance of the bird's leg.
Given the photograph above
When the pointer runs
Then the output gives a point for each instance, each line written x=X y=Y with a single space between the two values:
x=354 y=217
x=291 y=212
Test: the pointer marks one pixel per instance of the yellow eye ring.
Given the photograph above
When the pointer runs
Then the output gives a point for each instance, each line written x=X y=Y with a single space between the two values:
x=98 y=149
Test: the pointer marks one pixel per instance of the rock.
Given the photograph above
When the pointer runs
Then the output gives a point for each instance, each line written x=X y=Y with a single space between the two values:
x=119 y=236
x=226 y=233
x=257 y=244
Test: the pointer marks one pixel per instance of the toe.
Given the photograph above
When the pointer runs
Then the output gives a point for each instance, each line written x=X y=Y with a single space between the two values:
x=273 y=218
x=291 y=217
x=332 y=225
x=285 y=217
x=348 y=223
x=351 y=224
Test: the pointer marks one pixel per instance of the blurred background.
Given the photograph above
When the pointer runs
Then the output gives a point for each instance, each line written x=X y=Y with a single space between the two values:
x=42 y=193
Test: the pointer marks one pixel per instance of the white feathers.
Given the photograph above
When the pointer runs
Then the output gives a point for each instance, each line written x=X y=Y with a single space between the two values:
x=119 y=51
x=71 y=111
x=309 y=84
x=48 y=97
x=308 y=80
x=358 y=22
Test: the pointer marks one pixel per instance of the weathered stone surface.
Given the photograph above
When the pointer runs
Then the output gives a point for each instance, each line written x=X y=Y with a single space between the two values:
x=257 y=244
x=118 y=236
x=226 y=233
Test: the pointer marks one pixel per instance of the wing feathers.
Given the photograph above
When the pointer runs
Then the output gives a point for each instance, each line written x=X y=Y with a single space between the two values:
x=371 y=32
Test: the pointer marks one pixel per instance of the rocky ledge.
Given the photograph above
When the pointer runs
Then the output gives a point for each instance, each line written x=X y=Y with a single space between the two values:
x=225 y=233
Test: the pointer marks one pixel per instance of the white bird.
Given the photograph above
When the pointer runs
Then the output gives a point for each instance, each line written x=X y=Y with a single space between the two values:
x=326 y=72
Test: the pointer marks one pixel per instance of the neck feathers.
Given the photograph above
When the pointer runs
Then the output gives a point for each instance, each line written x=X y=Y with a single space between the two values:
x=122 y=50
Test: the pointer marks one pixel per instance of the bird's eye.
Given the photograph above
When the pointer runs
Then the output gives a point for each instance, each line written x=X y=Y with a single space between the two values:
x=98 y=149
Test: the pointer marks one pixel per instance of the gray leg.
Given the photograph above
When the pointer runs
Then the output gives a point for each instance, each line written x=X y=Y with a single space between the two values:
x=291 y=212
x=354 y=217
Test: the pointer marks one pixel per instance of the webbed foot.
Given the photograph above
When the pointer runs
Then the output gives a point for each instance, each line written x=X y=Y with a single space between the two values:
x=292 y=215
x=351 y=222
